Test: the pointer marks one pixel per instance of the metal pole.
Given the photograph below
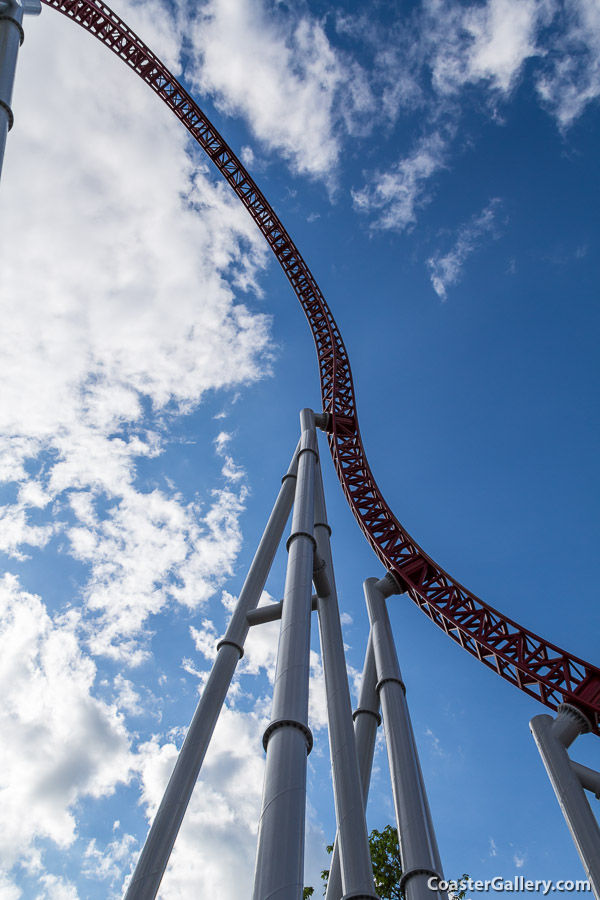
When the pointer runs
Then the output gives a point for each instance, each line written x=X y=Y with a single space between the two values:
x=552 y=737
x=356 y=869
x=155 y=855
x=280 y=855
x=418 y=845
x=11 y=38
x=366 y=721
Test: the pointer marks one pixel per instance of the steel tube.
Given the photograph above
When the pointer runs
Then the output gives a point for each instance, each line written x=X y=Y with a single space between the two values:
x=279 y=871
x=549 y=735
x=589 y=778
x=418 y=844
x=11 y=30
x=355 y=858
x=366 y=721
x=11 y=38
x=271 y=612
x=157 y=849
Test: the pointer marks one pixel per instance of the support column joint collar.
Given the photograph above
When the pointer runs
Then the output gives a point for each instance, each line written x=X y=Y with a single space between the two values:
x=9 y=113
x=308 y=450
x=17 y=24
x=395 y=680
x=298 y=534
x=226 y=642
x=360 y=895
x=417 y=871
x=371 y=712
x=324 y=525
x=288 y=723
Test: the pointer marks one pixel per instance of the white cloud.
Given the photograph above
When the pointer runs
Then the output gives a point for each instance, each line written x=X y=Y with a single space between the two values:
x=109 y=863
x=279 y=70
x=519 y=860
x=127 y=697
x=15 y=531
x=146 y=551
x=59 y=743
x=230 y=470
x=446 y=269
x=571 y=78
x=395 y=195
x=317 y=703
x=8 y=889
x=503 y=38
x=221 y=441
x=57 y=888
x=205 y=639
x=114 y=237
x=435 y=743
x=469 y=44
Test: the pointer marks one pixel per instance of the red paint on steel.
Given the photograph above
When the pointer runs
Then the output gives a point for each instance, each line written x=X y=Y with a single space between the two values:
x=538 y=668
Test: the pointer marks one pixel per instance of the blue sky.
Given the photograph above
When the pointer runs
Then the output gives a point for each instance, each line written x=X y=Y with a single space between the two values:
x=437 y=165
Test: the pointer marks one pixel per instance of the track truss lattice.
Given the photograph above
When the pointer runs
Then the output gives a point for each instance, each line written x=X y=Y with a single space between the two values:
x=535 y=666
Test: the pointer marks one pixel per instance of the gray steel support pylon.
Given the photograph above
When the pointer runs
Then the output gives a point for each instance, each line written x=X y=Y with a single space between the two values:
x=11 y=38
x=279 y=872
x=366 y=721
x=553 y=737
x=352 y=839
x=157 y=849
x=418 y=845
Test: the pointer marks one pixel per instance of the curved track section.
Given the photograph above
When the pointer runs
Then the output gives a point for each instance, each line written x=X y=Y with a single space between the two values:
x=538 y=668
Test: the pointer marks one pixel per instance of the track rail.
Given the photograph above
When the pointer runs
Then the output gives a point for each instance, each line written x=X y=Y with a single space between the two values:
x=535 y=666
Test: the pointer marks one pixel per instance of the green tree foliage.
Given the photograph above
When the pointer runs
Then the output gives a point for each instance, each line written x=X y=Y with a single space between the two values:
x=387 y=868
x=385 y=856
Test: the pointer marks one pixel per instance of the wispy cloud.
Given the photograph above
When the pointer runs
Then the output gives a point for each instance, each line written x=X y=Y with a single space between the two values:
x=107 y=864
x=435 y=743
x=446 y=269
x=570 y=78
x=480 y=43
x=395 y=195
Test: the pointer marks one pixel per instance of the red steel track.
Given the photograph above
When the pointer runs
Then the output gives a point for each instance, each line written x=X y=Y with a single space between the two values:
x=539 y=668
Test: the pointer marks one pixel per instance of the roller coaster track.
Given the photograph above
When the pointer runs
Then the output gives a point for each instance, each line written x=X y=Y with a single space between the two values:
x=537 y=667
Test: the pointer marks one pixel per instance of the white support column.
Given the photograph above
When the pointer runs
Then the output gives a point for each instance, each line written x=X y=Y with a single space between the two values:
x=552 y=737
x=157 y=849
x=279 y=872
x=11 y=38
x=418 y=844
x=366 y=721
x=356 y=869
